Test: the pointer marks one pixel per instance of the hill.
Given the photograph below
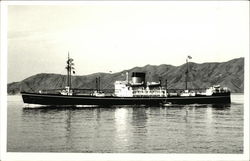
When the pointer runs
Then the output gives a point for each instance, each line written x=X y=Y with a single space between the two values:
x=229 y=74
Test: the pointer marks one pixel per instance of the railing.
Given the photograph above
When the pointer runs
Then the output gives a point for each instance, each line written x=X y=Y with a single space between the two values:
x=112 y=91
x=76 y=91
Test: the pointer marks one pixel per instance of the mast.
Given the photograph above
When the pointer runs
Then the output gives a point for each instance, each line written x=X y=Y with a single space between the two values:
x=166 y=84
x=189 y=57
x=69 y=67
x=96 y=83
x=99 y=84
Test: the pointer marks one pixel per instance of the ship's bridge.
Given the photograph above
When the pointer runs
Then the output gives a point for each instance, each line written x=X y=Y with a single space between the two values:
x=138 y=87
x=122 y=89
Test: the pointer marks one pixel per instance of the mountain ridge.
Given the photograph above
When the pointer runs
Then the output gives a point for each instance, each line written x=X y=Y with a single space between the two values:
x=228 y=74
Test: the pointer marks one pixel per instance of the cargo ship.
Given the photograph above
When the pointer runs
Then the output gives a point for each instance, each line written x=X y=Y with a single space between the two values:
x=128 y=92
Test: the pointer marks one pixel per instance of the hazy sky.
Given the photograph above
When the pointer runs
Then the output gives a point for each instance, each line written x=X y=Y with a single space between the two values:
x=103 y=37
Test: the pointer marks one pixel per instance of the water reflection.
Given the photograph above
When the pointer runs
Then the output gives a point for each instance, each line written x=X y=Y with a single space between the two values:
x=68 y=129
x=129 y=128
x=221 y=106
x=139 y=117
x=140 y=128
x=121 y=115
x=98 y=115
x=209 y=115
x=122 y=129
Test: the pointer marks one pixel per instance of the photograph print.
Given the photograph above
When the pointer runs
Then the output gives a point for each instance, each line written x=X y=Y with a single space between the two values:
x=127 y=77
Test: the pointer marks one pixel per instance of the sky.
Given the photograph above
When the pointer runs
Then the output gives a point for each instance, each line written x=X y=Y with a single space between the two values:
x=116 y=36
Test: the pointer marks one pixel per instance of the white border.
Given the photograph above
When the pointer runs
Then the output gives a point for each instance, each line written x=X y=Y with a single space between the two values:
x=3 y=81
x=103 y=156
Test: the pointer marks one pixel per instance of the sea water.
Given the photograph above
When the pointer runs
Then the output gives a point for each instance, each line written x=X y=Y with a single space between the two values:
x=193 y=128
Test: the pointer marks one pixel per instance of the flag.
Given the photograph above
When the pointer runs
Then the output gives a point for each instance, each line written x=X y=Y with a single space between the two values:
x=189 y=57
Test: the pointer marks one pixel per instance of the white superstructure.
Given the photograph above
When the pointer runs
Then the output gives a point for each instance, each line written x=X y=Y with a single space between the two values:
x=138 y=87
x=122 y=89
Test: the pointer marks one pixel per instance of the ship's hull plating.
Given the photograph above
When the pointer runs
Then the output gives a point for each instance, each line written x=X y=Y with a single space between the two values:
x=53 y=99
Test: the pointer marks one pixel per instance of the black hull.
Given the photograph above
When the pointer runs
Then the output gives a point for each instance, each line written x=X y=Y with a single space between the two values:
x=54 y=99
